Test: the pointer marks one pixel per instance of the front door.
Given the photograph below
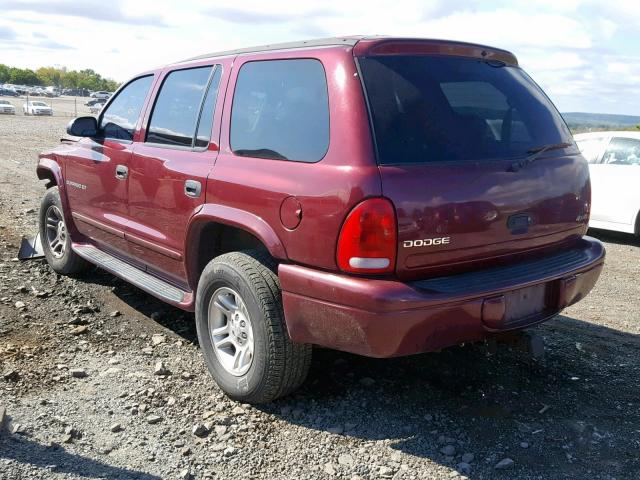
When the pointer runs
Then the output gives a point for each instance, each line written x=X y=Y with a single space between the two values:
x=615 y=183
x=96 y=169
x=169 y=168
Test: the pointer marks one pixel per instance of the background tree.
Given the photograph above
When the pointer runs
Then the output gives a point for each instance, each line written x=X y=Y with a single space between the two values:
x=58 y=77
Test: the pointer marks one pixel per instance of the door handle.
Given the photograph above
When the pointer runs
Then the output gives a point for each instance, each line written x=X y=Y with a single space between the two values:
x=122 y=172
x=192 y=188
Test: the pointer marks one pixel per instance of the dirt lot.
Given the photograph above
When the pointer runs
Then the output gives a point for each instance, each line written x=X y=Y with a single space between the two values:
x=77 y=362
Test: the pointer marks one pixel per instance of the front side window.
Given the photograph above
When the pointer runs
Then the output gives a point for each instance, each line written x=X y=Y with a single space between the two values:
x=120 y=118
x=428 y=109
x=281 y=110
x=177 y=107
x=623 y=151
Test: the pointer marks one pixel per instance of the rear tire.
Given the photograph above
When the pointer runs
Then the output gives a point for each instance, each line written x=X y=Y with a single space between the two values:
x=55 y=238
x=239 y=298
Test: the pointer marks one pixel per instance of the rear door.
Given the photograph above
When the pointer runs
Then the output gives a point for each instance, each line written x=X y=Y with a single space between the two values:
x=615 y=182
x=449 y=132
x=96 y=169
x=170 y=166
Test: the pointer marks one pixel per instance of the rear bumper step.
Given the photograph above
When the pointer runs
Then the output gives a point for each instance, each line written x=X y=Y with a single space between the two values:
x=143 y=280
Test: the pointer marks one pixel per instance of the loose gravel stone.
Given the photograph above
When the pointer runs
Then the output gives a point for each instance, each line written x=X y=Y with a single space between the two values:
x=116 y=427
x=153 y=419
x=467 y=457
x=160 y=369
x=504 y=464
x=367 y=382
x=80 y=330
x=11 y=376
x=78 y=373
x=448 y=450
x=200 y=430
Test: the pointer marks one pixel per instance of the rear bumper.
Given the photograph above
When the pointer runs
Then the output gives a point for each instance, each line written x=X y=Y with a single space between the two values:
x=386 y=318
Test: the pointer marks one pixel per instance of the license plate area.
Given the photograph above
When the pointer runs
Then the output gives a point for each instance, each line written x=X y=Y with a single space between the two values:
x=526 y=304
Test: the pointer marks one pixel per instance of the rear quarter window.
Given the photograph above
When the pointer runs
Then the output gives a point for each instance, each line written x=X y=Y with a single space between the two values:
x=281 y=110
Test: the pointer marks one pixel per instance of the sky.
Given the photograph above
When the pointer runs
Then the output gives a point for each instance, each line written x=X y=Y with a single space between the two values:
x=584 y=53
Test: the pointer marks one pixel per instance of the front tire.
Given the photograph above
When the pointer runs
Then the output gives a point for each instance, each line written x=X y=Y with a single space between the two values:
x=55 y=238
x=242 y=332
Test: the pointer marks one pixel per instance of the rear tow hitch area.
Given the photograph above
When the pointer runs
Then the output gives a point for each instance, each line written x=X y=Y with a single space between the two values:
x=31 y=248
x=528 y=342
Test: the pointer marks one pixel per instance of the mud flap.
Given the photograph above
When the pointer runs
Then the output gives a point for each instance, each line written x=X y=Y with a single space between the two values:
x=31 y=248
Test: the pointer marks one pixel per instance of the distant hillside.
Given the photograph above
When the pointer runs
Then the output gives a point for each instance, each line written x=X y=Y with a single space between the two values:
x=580 y=121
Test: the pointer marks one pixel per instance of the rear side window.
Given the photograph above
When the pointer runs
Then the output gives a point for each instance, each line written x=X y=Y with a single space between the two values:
x=623 y=151
x=428 y=109
x=281 y=110
x=121 y=116
x=205 y=124
x=177 y=108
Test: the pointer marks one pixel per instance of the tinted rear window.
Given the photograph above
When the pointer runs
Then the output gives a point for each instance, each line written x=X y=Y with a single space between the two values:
x=281 y=110
x=431 y=109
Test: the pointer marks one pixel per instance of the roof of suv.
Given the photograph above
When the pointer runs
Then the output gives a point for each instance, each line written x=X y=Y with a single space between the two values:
x=318 y=42
x=452 y=47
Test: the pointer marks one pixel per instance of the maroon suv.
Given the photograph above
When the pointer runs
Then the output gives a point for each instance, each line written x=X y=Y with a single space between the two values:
x=380 y=196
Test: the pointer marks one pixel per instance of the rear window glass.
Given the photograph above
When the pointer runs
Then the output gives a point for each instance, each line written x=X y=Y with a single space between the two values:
x=431 y=109
x=281 y=110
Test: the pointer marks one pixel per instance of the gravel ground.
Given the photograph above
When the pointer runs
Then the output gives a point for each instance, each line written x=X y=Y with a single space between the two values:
x=99 y=380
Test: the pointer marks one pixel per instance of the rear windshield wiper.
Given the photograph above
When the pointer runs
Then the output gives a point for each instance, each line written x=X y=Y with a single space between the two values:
x=535 y=154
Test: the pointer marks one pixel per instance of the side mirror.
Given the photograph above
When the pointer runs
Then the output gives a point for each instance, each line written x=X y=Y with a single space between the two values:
x=83 y=127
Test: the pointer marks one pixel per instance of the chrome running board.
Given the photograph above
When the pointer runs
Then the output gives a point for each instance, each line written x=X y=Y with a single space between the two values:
x=148 y=283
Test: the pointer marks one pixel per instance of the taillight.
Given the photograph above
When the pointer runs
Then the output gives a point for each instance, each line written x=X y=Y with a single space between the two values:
x=368 y=239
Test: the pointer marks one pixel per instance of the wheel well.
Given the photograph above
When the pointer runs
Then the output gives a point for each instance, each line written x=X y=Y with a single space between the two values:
x=215 y=239
x=637 y=229
x=47 y=175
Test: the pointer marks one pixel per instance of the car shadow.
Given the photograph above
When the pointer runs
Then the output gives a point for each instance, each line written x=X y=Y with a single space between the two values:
x=58 y=460
x=572 y=414
x=153 y=310
x=618 y=238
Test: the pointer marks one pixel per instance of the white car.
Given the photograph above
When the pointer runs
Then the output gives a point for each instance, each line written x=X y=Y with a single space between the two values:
x=7 y=108
x=37 y=108
x=614 y=165
x=103 y=95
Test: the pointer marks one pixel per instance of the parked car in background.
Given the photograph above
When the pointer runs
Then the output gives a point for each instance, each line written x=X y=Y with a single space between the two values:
x=97 y=107
x=614 y=164
x=93 y=101
x=8 y=92
x=277 y=218
x=20 y=89
x=52 y=91
x=37 y=108
x=7 y=107
x=101 y=94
